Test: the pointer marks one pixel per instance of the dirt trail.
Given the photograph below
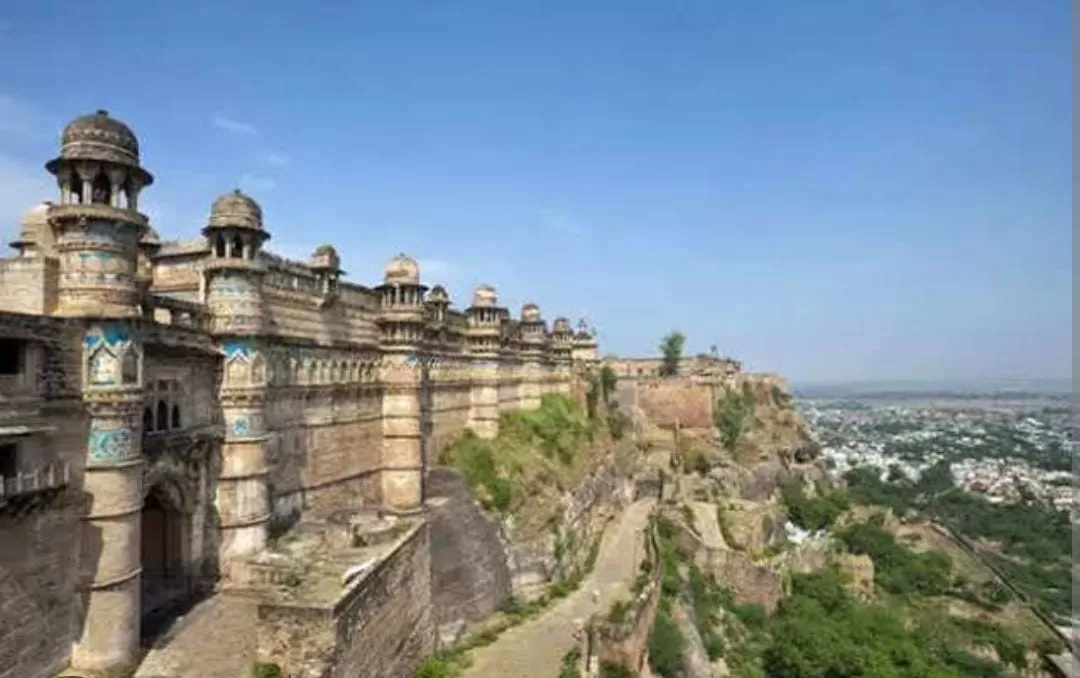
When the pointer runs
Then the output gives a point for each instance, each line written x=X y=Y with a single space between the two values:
x=535 y=649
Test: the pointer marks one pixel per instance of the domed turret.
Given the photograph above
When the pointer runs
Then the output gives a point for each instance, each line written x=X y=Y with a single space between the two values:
x=235 y=228
x=530 y=313
x=237 y=210
x=100 y=179
x=402 y=302
x=35 y=234
x=402 y=270
x=99 y=163
x=439 y=295
x=484 y=296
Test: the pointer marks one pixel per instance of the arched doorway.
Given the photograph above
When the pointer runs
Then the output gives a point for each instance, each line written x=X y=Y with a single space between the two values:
x=165 y=580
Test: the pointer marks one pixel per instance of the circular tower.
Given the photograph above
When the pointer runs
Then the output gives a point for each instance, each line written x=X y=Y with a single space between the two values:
x=233 y=275
x=485 y=319
x=96 y=222
x=97 y=228
x=402 y=315
x=562 y=353
x=533 y=341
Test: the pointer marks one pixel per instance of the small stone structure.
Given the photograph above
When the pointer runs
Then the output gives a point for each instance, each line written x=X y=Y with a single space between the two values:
x=193 y=398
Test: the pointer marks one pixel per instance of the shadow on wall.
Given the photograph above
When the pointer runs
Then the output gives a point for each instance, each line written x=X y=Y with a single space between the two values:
x=470 y=574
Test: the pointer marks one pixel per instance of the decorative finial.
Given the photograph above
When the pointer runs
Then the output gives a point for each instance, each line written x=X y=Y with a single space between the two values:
x=102 y=111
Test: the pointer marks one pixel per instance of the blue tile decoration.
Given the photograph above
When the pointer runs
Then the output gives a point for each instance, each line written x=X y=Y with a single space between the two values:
x=238 y=348
x=112 y=335
x=247 y=425
x=110 y=445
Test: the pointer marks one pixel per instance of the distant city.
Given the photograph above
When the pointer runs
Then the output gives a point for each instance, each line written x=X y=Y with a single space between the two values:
x=1004 y=446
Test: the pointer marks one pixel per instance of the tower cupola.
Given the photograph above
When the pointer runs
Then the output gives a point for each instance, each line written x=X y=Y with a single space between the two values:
x=401 y=297
x=96 y=221
x=234 y=231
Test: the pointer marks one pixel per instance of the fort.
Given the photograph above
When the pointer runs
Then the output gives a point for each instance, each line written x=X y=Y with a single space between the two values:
x=168 y=408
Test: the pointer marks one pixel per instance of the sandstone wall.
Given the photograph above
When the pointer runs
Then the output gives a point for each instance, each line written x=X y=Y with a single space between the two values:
x=29 y=285
x=470 y=578
x=43 y=547
x=325 y=447
x=38 y=578
x=664 y=401
x=381 y=626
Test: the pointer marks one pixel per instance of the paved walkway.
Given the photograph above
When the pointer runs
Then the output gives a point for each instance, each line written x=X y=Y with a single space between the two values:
x=536 y=648
x=214 y=640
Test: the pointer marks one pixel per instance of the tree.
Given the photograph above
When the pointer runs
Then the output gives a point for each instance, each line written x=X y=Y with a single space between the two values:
x=671 y=348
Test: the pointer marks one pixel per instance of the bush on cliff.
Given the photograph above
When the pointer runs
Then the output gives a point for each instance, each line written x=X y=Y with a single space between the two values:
x=734 y=414
x=813 y=513
x=536 y=455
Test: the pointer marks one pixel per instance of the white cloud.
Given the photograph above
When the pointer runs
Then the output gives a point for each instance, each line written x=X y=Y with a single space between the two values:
x=274 y=159
x=254 y=183
x=234 y=126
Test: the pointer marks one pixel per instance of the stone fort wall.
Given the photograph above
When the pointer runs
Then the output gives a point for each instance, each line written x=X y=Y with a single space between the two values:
x=166 y=407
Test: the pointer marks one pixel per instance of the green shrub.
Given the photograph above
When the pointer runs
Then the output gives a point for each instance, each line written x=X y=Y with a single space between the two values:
x=571 y=663
x=667 y=647
x=610 y=669
x=259 y=670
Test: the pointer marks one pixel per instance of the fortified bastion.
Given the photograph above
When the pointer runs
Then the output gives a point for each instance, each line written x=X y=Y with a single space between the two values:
x=167 y=407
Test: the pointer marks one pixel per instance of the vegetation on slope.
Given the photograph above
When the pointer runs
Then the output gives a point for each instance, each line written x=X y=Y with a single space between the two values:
x=537 y=455
x=821 y=630
x=1030 y=542
x=734 y=414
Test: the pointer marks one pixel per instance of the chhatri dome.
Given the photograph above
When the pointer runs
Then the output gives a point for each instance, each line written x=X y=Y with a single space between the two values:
x=236 y=209
x=34 y=228
x=98 y=136
x=402 y=270
x=530 y=313
x=439 y=294
x=484 y=296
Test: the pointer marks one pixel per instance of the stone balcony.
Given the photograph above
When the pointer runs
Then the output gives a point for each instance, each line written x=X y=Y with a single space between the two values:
x=26 y=490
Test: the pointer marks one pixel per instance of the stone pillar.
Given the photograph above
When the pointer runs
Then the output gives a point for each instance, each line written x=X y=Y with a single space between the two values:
x=111 y=556
x=243 y=500
x=402 y=455
x=484 y=399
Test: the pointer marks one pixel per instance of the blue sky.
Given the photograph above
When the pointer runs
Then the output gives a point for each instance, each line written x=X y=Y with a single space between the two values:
x=831 y=190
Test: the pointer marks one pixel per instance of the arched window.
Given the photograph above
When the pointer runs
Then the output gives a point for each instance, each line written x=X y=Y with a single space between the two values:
x=162 y=416
x=237 y=248
x=147 y=419
x=175 y=416
x=100 y=190
x=219 y=246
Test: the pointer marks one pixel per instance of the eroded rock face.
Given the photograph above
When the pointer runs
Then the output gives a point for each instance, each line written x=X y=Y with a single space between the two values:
x=697 y=660
x=861 y=570
x=751 y=527
x=470 y=576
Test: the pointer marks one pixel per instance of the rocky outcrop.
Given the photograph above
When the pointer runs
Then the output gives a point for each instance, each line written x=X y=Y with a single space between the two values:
x=860 y=568
x=534 y=561
x=470 y=576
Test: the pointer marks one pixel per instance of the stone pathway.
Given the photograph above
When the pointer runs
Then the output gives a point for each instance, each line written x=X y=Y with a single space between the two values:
x=707 y=525
x=536 y=648
x=214 y=640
